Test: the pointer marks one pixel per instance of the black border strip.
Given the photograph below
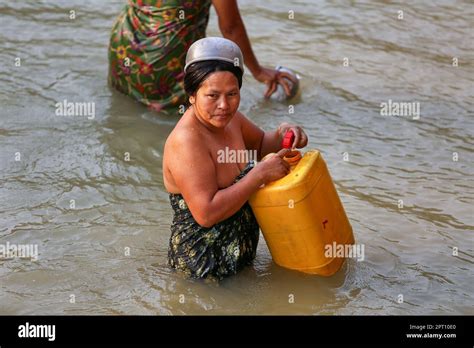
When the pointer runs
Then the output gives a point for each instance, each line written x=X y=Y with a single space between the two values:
x=218 y=330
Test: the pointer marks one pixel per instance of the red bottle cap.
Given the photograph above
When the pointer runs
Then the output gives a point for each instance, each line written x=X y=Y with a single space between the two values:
x=288 y=140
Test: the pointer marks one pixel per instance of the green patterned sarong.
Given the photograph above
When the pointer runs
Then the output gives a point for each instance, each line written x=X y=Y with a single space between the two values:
x=148 y=48
x=212 y=252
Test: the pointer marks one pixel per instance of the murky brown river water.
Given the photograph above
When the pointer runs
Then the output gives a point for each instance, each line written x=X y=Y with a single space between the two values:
x=47 y=161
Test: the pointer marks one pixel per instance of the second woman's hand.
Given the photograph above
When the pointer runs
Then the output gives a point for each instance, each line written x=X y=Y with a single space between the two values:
x=272 y=78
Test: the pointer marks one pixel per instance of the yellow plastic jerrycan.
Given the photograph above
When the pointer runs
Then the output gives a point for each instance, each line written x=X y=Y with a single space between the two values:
x=301 y=216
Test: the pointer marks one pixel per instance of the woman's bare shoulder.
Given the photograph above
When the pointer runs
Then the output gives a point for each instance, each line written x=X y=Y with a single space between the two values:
x=239 y=119
x=185 y=133
x=240 y=116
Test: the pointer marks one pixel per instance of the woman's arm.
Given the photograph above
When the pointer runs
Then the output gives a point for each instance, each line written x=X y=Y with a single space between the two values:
x=232 y=27
x=194 y=173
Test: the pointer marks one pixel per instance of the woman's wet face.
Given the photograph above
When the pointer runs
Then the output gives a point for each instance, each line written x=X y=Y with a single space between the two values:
x=217 y=99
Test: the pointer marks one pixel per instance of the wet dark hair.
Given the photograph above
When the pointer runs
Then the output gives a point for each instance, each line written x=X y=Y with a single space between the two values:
x=197 y=73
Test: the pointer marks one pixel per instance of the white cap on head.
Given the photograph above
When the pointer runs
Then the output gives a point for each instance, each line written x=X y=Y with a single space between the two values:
x=215 y=48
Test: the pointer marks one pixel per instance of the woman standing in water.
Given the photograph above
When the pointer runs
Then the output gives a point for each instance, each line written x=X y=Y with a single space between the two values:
x=151 y=37
x=214 y=232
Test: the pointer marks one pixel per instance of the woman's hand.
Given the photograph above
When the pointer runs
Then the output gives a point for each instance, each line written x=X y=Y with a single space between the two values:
x=272 y=78
x=273 y=167
x=301 y=139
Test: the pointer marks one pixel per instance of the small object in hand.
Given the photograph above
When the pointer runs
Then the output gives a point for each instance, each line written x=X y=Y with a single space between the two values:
x=294 y=87
x=288 y=140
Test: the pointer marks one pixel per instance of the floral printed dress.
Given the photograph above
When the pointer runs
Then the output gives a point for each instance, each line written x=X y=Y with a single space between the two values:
x=218 y=251
x=148 y=48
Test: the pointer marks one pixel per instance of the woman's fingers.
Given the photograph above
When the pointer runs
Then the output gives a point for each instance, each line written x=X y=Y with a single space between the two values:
x=284 y=79
x=304 y=139
x=283 y=152
x=301 y=139
x=288 y=76
x=273 y=78
x=272 y=86
x=286 y=86
x=296 y=132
